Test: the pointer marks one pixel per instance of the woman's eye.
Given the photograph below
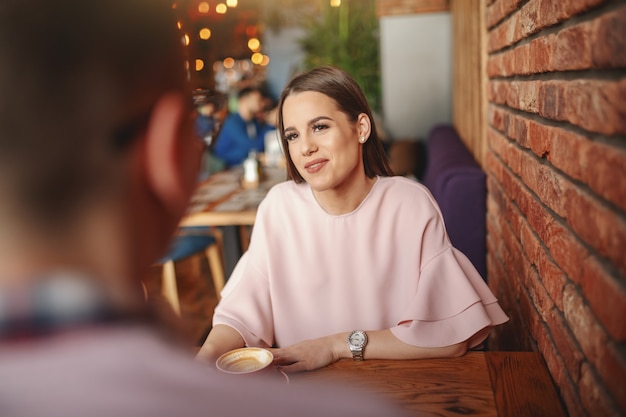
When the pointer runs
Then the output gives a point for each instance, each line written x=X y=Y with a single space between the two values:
x=290 y=136
x=319 y=127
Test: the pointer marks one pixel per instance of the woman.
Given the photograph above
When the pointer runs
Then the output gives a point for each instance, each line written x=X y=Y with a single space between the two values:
x=347 y=260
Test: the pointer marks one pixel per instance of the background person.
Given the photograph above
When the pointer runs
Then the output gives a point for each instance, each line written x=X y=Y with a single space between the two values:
x=92 y=191
x=347 y=260
x=242 y=131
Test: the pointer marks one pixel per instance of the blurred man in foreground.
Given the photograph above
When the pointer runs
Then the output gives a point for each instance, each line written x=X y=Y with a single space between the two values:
x=97 y=163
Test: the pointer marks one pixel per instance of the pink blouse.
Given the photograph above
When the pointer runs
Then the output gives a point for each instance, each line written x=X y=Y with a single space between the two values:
x=388 y=264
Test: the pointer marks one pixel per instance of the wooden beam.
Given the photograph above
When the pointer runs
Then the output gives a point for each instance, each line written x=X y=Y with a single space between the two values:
x=401 y=7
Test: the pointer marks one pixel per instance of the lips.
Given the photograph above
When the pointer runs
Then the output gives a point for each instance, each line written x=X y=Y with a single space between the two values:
x=314 y=166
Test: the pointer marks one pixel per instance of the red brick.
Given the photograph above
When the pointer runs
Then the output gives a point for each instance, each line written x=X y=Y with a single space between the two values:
x=566 y=250
x=612 y=370
x=584 y=326
x=564 y=247
x=596 y=44
x=495 y=66
x=532 y=17
x=518 y=130
x=593 y=222
x=527 y=99
x=550 y=12
x=529 y=313
x=598 y=165
x=538 y=294
x=606 y=297
x=540 y=138
x=521 y=60
x=572 y=49
x=550 y=354
x=544 y=181
x=609 y=40
x=497 y=11
x=496 y=118
x=551 y=100
x=603 y=169
x=597 y=106
x=595 y=399
x=565 y=343
x=541 y=51
x=569 y=393
x=552 y=276
x=596 y=224
x=497 y=92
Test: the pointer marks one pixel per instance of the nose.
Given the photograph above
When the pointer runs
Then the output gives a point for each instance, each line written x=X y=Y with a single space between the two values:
x=307 y=145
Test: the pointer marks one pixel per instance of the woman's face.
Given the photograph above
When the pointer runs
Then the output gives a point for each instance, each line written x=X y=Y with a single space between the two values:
x=323 y=143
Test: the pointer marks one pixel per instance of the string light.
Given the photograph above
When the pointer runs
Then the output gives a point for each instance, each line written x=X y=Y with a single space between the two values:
x=205 y=33
x=257 y=58
x=335 y=3
x=203 y=7
x=229 y=62
x=254 y=44
x=199 y=64
x=231 y=3
x=221 y=8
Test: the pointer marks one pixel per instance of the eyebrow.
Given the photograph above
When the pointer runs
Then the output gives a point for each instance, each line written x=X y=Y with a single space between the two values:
x=311 y=122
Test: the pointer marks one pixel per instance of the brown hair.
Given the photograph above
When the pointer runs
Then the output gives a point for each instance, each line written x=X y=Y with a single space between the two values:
x=78 y=80
x=344 y=90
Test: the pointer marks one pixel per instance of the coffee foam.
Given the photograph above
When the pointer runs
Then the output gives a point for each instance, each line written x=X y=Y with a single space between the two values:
x=244 y=360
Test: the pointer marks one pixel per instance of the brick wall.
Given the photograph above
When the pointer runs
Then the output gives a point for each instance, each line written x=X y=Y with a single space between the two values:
x=556 y=165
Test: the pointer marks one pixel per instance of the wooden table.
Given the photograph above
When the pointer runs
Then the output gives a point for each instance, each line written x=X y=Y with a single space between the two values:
x=485 y=384
x=222 y=200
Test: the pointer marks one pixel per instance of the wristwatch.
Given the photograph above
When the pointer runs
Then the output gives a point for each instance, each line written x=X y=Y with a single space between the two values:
x=356 y=342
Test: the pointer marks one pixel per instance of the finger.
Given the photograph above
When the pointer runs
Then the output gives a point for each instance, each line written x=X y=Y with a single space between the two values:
x=294 y=367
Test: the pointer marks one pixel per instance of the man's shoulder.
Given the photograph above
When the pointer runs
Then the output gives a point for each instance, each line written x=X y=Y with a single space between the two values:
x=135 y=372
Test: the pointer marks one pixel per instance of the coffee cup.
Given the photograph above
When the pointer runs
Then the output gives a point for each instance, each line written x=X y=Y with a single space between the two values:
x=244 y=360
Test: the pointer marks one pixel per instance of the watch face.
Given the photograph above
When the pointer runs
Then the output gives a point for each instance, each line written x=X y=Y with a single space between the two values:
x=357 y=338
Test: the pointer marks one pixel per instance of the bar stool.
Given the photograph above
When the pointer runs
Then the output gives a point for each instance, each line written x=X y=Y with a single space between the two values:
x=190 y=241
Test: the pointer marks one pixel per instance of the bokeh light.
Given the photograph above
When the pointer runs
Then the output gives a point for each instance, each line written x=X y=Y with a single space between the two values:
x=205 y=33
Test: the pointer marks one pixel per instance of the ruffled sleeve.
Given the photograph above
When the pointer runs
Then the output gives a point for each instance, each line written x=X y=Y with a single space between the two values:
x=452 y=303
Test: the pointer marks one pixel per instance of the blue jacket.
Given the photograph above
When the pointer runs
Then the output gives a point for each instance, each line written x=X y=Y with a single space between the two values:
x=237 y=138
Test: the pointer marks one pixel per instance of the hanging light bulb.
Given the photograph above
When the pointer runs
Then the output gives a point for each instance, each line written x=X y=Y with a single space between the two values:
x=335 y=3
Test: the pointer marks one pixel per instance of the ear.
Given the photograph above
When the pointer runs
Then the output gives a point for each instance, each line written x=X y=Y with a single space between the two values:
x=168 y=179
x=363 y=126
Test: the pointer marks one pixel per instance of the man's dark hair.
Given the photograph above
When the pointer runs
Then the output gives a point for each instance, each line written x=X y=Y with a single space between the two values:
x=248 y=90
x=78 y=79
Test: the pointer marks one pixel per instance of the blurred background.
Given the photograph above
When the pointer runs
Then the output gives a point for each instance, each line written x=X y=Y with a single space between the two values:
x=232 y=43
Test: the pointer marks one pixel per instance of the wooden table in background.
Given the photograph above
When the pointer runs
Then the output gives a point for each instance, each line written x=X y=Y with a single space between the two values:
x=222 y=200
x=485 y=384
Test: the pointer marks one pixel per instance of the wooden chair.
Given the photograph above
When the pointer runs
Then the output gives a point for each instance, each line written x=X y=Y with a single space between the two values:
x=191 y=241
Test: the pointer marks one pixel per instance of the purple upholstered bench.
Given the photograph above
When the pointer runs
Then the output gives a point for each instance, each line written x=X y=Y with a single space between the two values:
x=459 y=185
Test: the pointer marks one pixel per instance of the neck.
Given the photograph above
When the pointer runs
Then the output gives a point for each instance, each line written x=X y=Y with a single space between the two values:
x=346 y=198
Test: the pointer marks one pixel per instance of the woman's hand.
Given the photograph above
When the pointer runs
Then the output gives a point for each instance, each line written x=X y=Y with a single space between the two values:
x=309 y=354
